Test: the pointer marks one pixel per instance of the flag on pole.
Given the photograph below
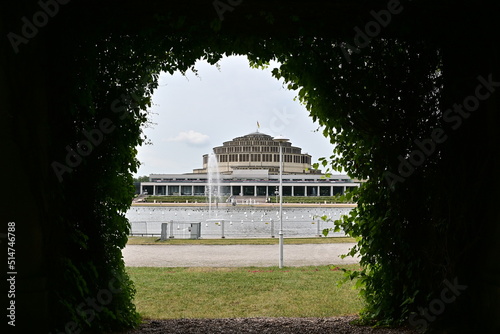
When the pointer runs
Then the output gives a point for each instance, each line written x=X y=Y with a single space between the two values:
x=258 y=126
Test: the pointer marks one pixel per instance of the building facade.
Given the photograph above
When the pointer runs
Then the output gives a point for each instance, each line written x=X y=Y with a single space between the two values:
x=249 y=166
x=258 y=151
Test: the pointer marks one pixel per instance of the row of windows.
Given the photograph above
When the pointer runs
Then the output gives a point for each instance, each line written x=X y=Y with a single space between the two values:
x=226 y=149
x=247 y=190
x=275 y=169
x=253 y=143
x=245 y=157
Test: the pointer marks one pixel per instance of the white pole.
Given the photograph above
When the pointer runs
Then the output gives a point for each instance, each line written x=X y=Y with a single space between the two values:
x=281 y=207
x=281 y=140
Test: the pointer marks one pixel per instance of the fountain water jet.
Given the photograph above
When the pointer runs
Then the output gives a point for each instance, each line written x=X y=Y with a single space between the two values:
x=213 y=183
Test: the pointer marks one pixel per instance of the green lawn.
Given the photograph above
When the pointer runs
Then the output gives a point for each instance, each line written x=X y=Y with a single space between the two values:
x=166 y=293
x=261 y=241
x=273 y=199
x=176 y=199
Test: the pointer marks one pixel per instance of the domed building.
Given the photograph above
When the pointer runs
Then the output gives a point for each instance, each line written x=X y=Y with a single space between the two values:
x=249 y=166
x=259 y=151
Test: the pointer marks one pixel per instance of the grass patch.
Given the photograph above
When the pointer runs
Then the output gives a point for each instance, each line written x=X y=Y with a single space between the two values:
x=272 y=199
x=173 y=293
x=261 y=241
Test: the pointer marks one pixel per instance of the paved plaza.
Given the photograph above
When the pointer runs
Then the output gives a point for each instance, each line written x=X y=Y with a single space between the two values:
x=235 y=255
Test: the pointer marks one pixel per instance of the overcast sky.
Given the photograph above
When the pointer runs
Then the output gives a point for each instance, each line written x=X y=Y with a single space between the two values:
x=194 y=114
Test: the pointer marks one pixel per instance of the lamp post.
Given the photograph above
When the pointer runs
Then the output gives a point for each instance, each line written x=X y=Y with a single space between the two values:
x=281 y=140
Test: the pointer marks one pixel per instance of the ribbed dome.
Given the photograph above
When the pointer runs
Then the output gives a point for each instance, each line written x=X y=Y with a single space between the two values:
x=254 y=136
x=258 y=150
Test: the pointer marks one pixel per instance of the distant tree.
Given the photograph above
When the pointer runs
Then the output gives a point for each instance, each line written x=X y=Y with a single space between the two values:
x=143 y=178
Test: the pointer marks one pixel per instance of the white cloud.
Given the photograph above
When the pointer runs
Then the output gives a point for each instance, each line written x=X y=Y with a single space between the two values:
x=190 y=137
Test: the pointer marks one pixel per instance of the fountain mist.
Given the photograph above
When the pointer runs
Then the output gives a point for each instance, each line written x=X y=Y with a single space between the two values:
x=213 y=183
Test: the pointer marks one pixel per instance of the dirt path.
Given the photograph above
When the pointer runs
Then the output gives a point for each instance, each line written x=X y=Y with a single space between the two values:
x=235 y=255
x=334 y=325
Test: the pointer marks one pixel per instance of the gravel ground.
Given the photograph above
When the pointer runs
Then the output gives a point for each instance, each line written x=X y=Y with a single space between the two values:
x=235 y=255
x=337 y=325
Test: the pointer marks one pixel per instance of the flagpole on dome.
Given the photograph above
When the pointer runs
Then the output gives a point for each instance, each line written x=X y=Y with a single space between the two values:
x=258 y=126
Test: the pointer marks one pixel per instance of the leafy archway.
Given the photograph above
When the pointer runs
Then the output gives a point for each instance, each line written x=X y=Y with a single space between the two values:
x=383 y=103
